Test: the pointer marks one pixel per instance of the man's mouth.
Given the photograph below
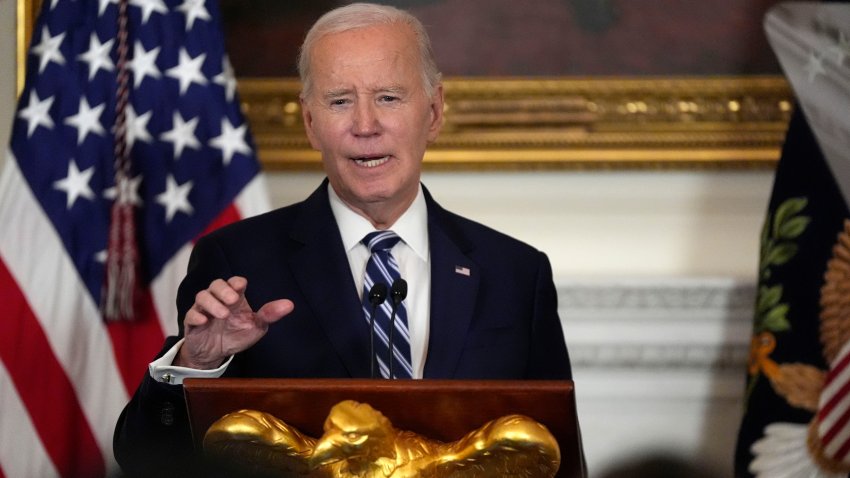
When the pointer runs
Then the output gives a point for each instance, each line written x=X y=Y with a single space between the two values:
x=371 y=161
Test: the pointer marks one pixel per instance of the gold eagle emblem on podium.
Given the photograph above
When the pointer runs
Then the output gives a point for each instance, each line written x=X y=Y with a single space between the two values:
x=359 y=441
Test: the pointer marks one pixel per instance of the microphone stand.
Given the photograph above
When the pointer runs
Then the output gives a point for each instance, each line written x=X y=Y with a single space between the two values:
x=377 y=296
x=398 y=292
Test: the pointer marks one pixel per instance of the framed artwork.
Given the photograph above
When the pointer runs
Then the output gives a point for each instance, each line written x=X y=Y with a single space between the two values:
x=546 y=83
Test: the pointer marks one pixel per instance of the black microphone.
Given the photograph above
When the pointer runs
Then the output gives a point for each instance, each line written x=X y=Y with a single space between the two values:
x=377 y=296
x=398 y=292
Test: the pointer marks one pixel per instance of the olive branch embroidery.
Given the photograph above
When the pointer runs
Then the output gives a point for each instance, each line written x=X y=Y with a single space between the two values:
x=778 y=246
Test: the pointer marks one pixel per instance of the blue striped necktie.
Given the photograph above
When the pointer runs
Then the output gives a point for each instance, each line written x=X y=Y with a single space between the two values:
x=382 y=267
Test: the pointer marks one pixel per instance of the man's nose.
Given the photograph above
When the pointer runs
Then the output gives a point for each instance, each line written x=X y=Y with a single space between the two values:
x=365 y=121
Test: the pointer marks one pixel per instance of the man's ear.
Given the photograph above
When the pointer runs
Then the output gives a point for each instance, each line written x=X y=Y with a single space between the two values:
x=307 y=117
x=437 y=105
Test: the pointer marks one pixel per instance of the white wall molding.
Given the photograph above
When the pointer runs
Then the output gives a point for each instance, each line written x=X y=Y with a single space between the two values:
x=659 y=364
x=659 y=357
x=656 y=324
x=715 y=295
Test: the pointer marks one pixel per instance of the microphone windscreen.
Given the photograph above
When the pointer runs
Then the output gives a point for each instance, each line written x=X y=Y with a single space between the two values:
x=399 y=290
x=378 y=294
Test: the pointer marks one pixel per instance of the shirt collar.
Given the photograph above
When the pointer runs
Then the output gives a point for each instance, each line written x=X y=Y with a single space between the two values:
x=411 y=227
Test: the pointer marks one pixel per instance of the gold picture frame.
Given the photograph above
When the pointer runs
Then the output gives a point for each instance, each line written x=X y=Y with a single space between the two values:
x=715 y=122
x=558 y=123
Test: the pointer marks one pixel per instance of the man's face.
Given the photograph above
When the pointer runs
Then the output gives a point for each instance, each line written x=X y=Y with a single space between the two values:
x=370 y=116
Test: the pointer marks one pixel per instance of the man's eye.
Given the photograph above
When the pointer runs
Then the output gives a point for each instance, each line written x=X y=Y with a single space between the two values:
x=389 y=99
x=339 y=102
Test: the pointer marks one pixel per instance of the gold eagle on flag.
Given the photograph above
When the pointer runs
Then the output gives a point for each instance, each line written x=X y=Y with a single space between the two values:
x=826 y=439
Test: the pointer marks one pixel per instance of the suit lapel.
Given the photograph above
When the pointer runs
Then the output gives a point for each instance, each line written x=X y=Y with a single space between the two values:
x=454 y=288
x=320 y=266
x=321 y=269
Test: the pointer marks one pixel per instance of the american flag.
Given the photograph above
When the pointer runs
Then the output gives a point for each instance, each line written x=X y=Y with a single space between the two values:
x=65 y=371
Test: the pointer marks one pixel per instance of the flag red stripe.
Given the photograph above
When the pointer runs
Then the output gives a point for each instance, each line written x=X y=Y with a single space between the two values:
x=841 y=365
x=836 y=427
x=44 y=388
x=834 y=372
x=228 y=215
x=833 y=402
x=841 y=454
x=135 y=343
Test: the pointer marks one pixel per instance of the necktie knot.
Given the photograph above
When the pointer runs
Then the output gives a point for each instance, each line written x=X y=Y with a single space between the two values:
x=381 y=240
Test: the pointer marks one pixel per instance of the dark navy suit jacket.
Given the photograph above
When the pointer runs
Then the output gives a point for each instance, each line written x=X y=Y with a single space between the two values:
x=500 y=321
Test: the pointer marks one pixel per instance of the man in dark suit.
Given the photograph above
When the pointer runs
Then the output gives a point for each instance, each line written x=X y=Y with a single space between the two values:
x=281 y=295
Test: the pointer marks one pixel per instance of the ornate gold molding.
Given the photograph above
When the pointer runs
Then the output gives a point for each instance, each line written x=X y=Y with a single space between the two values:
x=518 y=123
x=27 y=10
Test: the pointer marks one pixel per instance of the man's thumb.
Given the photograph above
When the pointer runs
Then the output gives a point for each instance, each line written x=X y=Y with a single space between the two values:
x=274 y=310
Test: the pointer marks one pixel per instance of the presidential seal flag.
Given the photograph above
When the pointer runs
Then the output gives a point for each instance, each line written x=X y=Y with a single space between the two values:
x=787 y=368
x=797 y=418
x=127 y=144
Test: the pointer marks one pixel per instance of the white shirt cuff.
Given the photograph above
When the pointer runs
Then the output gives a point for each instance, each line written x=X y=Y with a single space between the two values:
x=163 y=371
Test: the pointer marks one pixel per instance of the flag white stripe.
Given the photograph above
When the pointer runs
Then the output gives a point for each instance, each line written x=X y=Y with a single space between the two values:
x=164 y=290
x=838 y=441
x=18 y=433
x=828 y=421
x=253 y=199
x=831 y=419
x=82 y=345
x=834 y=386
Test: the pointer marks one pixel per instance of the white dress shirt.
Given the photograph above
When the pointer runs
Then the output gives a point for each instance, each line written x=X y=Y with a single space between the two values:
x=412 y=254
x=414 y=262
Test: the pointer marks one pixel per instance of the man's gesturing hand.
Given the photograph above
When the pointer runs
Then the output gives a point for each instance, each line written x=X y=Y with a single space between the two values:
x=222 y=323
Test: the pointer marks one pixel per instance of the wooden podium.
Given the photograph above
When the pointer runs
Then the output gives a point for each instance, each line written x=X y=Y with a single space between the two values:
x=440 y=409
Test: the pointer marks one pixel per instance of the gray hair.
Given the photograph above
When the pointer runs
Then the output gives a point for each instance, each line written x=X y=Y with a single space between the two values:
x=363 y=15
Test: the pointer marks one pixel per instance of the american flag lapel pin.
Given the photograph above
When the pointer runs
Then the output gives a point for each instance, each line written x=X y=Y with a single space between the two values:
x=464 y=271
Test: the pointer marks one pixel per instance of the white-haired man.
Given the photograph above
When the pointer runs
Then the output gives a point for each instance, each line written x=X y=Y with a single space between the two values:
x=286 y=294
